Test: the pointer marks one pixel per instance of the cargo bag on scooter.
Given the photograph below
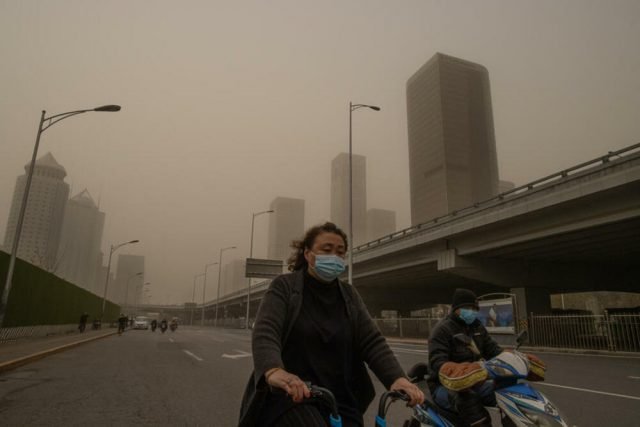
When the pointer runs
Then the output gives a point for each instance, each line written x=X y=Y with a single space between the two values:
x=461 y=376
x=537 y=368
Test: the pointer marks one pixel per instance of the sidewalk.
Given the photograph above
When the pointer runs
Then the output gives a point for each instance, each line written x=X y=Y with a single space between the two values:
x=22 y=351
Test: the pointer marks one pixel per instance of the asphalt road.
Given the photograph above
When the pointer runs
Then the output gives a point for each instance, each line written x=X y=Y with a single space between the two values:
x=195 y=377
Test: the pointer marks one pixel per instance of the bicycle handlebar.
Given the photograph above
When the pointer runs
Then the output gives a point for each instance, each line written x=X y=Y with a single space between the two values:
x=326 y=396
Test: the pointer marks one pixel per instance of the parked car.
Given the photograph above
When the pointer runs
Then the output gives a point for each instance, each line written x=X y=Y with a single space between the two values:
x=141 y=322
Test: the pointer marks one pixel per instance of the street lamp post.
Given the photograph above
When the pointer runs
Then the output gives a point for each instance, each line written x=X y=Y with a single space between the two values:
x=215 y=322
x=204 y=287
x=126 y=299
x=51 y=120
x=193 y=298
x=352 y=108
x=106 y=281
x=253 y=219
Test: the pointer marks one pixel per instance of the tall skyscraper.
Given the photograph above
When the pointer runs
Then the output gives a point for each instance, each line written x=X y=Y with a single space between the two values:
x=128 y=267
x=452 y=149
x=340 y=195
x=79 y=254
x=43 y=218
x=380 y=222
x=286 y=224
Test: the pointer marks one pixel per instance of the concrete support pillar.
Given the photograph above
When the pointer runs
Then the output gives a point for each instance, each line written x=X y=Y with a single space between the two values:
x=530 y=300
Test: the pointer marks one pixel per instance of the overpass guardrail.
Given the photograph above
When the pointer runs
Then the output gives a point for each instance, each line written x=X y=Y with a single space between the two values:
x=625 y=154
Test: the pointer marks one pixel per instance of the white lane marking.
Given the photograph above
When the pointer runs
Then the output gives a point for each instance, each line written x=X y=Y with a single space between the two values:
x=240 y=355
x=193 y=355
x=171 y=339
x=590 y=391
x=634 y=378
x=560 y=353
x=408 y=350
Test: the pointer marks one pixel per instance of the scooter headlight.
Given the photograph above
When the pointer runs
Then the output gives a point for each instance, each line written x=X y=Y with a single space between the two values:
x=541 y=419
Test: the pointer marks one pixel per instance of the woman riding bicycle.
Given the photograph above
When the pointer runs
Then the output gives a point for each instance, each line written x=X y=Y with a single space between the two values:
x=313 y=327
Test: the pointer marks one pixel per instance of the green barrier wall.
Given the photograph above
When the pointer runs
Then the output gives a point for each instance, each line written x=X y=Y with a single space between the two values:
x=40 y=298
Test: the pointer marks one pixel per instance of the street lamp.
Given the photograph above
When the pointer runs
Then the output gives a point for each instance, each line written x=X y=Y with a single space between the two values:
x=215 y=322
x=25 y=197
x=126 y=299
x=204 y=287
x=193 y=298
x=253 y=219
x=106 y=282
x=352 y=108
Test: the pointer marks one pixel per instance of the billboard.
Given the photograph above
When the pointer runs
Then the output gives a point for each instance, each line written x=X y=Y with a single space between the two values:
x=263 y=268
x=497 y=315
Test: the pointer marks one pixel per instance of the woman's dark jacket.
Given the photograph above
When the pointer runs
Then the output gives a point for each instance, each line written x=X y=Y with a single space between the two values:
x=276 y=316
x=443 y=347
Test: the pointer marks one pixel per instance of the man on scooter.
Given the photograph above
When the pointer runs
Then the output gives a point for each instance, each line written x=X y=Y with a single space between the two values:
x=456 y=339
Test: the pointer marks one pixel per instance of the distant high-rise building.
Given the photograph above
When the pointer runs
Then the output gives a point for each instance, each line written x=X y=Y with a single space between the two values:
x=380 y=222
x=79 y=254
x=340 y=195
x=286 y=224
x=504 y=186
x=40 y=237
x=452 y=149
x=128 y=267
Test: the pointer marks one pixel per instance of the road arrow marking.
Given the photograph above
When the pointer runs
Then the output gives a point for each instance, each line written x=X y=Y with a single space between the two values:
x=241 y=354
x=193 y=355
x=589 y=391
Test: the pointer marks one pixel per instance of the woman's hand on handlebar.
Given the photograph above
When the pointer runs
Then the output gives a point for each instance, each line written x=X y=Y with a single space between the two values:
x=416 y=396
x=290 y=383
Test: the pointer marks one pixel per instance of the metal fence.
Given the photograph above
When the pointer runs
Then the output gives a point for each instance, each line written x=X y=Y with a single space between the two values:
x=418 y=327
x=616 y=332
x=19 y=332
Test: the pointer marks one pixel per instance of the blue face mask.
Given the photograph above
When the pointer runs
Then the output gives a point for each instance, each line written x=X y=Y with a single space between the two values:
x=468 y=316
x=329 y=267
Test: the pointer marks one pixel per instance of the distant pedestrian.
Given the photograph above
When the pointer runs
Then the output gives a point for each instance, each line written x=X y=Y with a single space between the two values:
x=83 y=322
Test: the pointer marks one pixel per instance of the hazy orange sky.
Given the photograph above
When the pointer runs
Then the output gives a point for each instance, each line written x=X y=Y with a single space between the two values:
x=229 y=104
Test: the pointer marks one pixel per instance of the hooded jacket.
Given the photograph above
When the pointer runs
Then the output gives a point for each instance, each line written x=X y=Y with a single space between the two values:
x=443 y=347
x=276 y=316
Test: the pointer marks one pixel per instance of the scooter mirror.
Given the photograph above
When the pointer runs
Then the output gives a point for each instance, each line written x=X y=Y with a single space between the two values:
x=522 y=337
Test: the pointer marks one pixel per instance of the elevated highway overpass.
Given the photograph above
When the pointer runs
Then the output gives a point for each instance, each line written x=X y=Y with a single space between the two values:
x=574 y=231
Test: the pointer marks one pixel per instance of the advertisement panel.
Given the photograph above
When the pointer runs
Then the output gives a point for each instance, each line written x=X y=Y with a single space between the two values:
x=263 y=268
x=497 y=315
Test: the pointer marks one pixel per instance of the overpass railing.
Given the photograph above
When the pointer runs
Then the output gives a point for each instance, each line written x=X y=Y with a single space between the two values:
x=522 y=191
x=612 y=332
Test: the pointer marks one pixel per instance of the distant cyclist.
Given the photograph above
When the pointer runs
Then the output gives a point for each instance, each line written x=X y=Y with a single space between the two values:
x=122 y=323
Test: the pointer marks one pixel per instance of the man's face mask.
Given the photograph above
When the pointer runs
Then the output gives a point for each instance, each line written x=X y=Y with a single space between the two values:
x=468 y=315
x=328 y=267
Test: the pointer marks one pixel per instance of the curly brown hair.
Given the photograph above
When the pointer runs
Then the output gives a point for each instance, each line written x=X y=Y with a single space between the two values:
x=297 y=261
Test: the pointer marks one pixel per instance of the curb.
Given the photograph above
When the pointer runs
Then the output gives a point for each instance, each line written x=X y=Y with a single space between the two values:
x=15 y=363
